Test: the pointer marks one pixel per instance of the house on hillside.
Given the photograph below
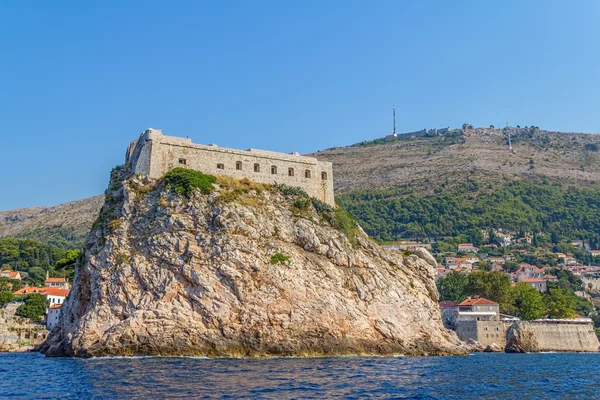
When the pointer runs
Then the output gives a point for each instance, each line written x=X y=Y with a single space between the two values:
x=467 y=248
x=536 y=283
x=53 y=295
x=595 y=253
x=60 y=283
x=478 y=309
x=476 y=319
x=52 y=316
x=447 y=310
x=527 y=271
x=458 y=262
x=10 y=274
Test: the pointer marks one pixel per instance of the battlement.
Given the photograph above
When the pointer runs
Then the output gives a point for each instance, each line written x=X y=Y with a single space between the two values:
x=155 y=154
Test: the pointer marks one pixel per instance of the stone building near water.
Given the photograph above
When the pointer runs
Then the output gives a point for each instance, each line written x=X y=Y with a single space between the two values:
x=155 y=154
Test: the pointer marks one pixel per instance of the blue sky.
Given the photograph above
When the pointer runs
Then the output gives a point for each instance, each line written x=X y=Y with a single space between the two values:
x=80 y=80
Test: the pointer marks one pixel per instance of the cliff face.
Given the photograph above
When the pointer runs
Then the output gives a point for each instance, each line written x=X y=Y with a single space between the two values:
x=243 y=271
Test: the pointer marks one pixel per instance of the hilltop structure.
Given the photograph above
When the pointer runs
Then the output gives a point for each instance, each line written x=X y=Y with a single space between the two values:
x=155 y=154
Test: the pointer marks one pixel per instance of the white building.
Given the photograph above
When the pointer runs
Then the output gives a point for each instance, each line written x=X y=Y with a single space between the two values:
x=60 y=283
x=52 y=316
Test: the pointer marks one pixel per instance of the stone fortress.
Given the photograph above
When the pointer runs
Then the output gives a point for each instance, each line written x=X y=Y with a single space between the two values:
x=155 y=154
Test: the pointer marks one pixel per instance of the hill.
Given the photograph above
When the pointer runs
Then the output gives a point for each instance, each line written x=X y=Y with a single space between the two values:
x=65 y=225
x=437 y=184
x=426 y=160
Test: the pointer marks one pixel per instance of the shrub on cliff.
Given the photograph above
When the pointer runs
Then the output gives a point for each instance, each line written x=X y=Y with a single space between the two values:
x=184 y=181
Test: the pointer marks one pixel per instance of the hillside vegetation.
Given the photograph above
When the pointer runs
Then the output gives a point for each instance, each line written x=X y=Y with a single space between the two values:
x=560 y=212
x=438 y=185
x=64 y=226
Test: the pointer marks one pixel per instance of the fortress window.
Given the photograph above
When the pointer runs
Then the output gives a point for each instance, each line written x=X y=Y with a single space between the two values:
x=182 y=161
x=273 y=170
x=238 y=165
x=256 y=167
x=220 y=166
x=324 y=176
x=290 y=171
x=307 y=173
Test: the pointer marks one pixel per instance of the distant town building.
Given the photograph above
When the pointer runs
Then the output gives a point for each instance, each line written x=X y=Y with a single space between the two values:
x=536 y=283
x=405 y=246
x=467 y=248
x=478 y=309
x=10 y=274
x=595 y=253
x=60 y=283
x=53 y=295
x=527 y=271
x=476 y=319
x=52 y=316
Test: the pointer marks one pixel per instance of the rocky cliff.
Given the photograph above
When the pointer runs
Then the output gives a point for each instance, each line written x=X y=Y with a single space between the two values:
x=245 y=270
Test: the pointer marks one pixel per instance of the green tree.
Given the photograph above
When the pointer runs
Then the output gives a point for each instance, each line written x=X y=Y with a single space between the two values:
x=6 y=297
x=510 y=266
x=37 y=275
x=494 y=286
x=528 y=302
x=34 y=307
x=560 y=304
x=453 y=286
x=68 y=261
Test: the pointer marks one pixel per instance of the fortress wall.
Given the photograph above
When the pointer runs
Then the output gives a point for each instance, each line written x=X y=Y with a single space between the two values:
x=156 y=154
x=484 y=332
x=562 y=335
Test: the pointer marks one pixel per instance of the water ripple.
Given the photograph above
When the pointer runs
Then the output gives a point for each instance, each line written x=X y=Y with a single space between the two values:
x=481 y=376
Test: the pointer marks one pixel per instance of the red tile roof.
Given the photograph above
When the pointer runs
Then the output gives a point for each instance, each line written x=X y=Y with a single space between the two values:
x=448 y=304
x=477 y=300
x=56 y=292
x=532 y=280
x=56 y=280
x=46 y=291
x=55 y=306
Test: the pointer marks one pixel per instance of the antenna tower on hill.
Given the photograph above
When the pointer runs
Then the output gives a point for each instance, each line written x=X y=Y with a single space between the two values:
x=394 y=112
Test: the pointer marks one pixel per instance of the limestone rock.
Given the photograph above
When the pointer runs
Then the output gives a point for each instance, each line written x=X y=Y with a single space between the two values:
x=168 y=275
x=519 y=340
x=474 y=345
x=493 y=348
x=426 y=256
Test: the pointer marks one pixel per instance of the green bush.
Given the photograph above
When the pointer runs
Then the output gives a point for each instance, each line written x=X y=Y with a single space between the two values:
x=34 y=307
x=343 y=221
x=321 y=207
x=6 y=297
x=301 y=204
x=183 y=181
x=290 y=190
x=279 y=258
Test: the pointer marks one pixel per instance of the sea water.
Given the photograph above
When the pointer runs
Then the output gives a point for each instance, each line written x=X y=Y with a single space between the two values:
x=478 y=376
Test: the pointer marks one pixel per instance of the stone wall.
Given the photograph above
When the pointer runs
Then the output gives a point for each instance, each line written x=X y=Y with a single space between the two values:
x=552 y=335
x=17 y=333
x=154 y=154
x=484 y=332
